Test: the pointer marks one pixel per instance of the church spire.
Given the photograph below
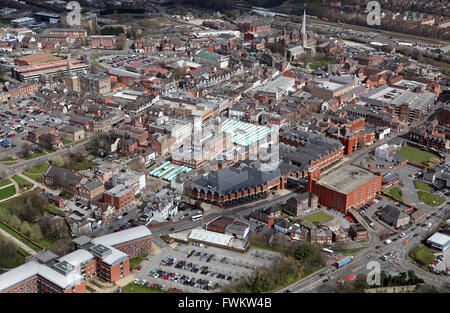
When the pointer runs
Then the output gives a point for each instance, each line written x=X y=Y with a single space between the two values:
x=303 y=32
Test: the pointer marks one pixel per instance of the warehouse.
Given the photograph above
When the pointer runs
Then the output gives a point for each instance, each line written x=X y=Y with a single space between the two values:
x=439 y=241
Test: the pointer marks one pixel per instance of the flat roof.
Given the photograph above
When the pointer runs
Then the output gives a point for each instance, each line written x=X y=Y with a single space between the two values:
x=439 y=238
x=346 y=179
x=211 y=237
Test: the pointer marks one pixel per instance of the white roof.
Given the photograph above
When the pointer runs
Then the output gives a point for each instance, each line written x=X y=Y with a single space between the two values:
x=439 y=238
x=210 y=236
x=33 y=268
x=77 y=257
x=127 y=235
x=115 y=257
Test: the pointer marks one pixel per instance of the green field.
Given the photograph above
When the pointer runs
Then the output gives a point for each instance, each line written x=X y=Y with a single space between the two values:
x=55 y=211
x=429 y=199
x=396 y=193
x=416 y=155
x=422 y=186
x=34 y=155
x=261 y=245
x=422 y=255
x=318 y=217
x=5 y=182
x=10 y=158
x=136 y=261
x=8 y=163
x=135 y=288
x=21 y=181
x=36 y=177
x=7 y=192
x=40 y=168
x=350 y=251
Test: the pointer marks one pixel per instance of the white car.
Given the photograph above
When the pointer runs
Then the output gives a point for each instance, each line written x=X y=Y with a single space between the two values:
x=402 y=235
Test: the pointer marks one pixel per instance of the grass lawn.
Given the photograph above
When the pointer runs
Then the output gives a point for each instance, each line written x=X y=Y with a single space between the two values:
x=24 y=252
x=8 y=163
x=429 y=199
x=66 y=141
x=7 y=192
x=45 y=243
x=396 y=193
x=50 y=150
x=37 y=177
x=318 y=217
x=350 y=251
x=136 y=261
x=10 y=158
x=261 y=245
x=416 y=155
x=55 y=211
x=34 y=155
x=40 y=168
x=135 y=288
x=422 y=186
x=422 y=255
x=5 y=182
x=20 y=181
x=15 y=235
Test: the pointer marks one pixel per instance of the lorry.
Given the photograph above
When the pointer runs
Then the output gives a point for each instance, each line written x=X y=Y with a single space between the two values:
x=344 y=261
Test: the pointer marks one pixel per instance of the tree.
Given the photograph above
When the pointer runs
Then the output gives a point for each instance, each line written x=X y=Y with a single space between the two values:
x=35 y=233
x=137 y=165
x=58 y=161
x=26 y=148
x=15 y=221
x=122 y=41
x=61 y=246
x=25 y=228
x=5 y=215
x=8 y=249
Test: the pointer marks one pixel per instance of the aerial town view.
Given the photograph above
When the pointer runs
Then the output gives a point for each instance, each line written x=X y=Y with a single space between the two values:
x=194 y=147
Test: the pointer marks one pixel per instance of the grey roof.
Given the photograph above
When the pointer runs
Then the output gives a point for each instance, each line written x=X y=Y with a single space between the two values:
x=62 y=176
x=393 y=212
x=231 y=179
x=46 y=256
x=82 y=240
x=93 y=184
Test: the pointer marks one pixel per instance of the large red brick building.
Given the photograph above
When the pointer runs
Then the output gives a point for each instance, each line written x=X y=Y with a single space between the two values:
x=345 y=188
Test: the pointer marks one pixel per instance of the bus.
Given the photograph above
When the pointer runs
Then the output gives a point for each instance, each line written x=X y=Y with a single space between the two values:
x=327 y=251
x=197 y=217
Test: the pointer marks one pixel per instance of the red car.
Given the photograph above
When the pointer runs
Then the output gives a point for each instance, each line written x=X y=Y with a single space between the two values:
x=153 y=285
x=119 y=229
x=170 y=289
x=138 y=268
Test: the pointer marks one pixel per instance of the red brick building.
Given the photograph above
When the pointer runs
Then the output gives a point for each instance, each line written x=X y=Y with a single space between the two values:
x=345 y=188
x=358 y=232
x=119 y=196
x=352 y=135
